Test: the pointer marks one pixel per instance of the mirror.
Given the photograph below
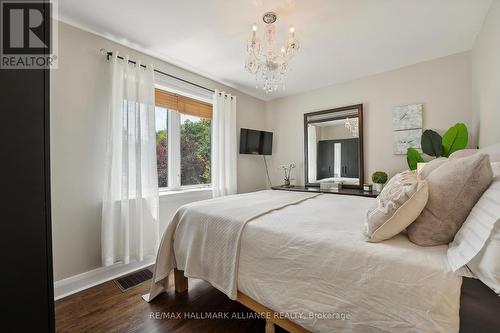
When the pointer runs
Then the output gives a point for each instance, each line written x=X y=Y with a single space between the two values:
x=333 y=146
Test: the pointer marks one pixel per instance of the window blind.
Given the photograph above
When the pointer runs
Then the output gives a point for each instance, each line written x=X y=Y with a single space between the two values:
x=183 y=104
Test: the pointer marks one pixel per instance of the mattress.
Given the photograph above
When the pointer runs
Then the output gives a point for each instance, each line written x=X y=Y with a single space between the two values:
x=310 y=263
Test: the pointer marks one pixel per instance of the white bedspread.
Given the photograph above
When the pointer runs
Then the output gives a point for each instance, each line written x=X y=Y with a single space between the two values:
x=203 y=238
x=312 y=258
x=310 y=262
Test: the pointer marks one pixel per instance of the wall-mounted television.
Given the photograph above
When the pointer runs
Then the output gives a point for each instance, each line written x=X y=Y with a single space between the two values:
x=256 y=142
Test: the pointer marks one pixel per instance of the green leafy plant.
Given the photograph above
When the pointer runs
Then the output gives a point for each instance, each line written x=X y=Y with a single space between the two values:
x=379 y=177
x=455 y=138
x=432 y=143
x=413 y=157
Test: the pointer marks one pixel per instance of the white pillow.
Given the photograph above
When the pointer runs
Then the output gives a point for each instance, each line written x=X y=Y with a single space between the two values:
x=495 y=166
x=477 y=243
x=493 y=151
x=486 y=264
x=398 y=205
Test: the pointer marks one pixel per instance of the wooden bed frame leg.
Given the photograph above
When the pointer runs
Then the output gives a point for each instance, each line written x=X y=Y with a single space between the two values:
x=269 y=326
x=180 y=281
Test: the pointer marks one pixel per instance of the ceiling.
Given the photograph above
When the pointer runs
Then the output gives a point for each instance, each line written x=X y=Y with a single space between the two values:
x=340 y=40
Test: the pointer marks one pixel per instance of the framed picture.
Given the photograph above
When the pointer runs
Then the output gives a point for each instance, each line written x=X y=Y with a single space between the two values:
x=402 y=140
x=407 y=127
x=407 y=117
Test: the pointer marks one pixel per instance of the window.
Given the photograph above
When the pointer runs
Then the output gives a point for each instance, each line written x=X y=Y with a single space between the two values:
x=183 y=140
x=195 y=150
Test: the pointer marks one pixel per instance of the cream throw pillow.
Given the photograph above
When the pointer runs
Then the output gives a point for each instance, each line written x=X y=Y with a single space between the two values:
x=398 y=205
x=454 y=188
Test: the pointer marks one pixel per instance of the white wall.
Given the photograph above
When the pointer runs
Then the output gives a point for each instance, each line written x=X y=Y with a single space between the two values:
x=78 y=96
x=442 y=85
x=78 y=102
x=486 y=78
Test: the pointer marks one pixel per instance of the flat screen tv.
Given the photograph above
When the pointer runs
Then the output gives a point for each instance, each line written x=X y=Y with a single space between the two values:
x=256 y=142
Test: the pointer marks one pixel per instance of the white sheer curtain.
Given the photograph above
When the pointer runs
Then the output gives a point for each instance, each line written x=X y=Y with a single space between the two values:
x=312 y=153
x=224 y=165
x=130 y=202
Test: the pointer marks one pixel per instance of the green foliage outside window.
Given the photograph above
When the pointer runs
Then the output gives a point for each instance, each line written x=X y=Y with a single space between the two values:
x=161 y=158
x=195 y=153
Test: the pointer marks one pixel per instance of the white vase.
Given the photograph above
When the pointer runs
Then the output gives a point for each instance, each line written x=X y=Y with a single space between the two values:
x=378 y=187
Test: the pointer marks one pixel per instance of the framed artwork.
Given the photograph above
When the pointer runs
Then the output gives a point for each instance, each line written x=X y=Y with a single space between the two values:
x=407 y=127
x=407 y=117
x=402 y=140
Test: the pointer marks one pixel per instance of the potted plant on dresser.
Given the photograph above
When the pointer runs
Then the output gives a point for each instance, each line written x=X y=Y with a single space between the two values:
x=379 y=178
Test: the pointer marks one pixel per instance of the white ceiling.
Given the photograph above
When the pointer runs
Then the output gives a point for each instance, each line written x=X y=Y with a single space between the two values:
x=340 y=39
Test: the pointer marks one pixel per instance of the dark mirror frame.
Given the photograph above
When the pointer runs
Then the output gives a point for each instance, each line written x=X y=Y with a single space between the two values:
x=359 y=108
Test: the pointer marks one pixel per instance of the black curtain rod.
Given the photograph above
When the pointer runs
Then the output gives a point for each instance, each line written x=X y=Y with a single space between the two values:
x=109 y=54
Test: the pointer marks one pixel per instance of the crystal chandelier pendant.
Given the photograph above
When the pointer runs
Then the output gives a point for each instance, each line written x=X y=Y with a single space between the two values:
x=352 y=126
x=268 y=65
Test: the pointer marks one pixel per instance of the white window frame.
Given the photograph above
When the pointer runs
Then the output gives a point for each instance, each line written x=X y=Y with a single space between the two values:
x=174 y=144
x=174 y=149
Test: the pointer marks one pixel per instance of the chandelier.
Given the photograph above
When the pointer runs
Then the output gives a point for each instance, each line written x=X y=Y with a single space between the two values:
x=352 y=126
x=264 y=61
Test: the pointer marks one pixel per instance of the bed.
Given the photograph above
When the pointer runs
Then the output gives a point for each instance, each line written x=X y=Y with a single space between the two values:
x=303 y=257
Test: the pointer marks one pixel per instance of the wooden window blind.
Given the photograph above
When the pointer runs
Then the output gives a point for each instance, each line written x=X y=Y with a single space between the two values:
x=183 y=104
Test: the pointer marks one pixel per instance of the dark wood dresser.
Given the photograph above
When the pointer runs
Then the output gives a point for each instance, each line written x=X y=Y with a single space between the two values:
x=314 y=189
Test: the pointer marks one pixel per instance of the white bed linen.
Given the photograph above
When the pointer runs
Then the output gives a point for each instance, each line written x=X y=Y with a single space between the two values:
x=312 y=258
x=344 y=180
x=203 y=238
x=479 y=225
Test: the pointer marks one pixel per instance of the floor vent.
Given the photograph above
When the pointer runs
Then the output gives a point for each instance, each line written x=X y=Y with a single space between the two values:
x=134 y=279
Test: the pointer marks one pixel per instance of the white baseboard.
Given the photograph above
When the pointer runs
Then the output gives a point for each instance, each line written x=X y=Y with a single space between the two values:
x=76 y=283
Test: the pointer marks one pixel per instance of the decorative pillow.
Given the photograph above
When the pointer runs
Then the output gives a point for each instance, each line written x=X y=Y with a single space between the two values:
x=493 y=151
x=436 y=163
x=431 y=166
x=477 y=243
x=399 y=204
x=486 y=264
x=464 y=153
x=495 y=166
x=477 y=228
x=454 y=188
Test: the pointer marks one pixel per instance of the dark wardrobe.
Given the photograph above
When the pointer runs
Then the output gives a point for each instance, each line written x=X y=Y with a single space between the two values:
x=349 y=158
x=26 y=244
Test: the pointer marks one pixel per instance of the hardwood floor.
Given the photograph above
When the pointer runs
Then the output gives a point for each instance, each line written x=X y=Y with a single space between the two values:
x=105 y=308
